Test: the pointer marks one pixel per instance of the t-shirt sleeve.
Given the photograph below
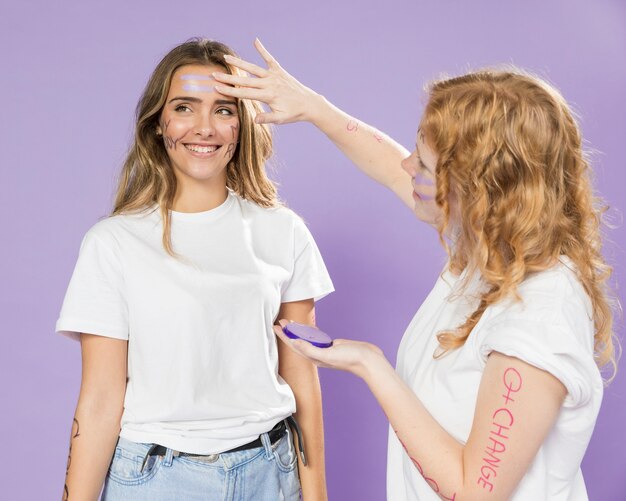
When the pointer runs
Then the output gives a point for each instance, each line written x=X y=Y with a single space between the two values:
x=552 y=333
x=310 y=278
x=94 y=302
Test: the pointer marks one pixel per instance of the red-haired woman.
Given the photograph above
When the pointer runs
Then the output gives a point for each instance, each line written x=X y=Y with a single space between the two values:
x=497 y=386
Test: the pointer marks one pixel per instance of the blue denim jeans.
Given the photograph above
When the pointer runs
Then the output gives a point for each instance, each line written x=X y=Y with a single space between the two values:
x=267 y=473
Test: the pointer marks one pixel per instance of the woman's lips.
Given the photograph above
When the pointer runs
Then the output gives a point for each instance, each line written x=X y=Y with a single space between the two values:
x=202 y=151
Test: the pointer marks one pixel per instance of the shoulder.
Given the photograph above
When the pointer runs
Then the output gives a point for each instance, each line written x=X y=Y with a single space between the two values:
x=550 y=326
x=111 y=231
x=543 y=293
x=278 y=216
x=556 y=291
x=554 y=298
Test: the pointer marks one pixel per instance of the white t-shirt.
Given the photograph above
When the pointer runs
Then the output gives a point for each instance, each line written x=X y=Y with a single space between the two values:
x=202 y=356
x=552 y=329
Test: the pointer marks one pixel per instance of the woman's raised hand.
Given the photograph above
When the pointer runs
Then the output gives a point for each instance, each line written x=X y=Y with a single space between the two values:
x=288 y=99
x=376 y=154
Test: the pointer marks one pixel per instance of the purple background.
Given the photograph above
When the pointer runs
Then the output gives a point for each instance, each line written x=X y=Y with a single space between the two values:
x=71 y=75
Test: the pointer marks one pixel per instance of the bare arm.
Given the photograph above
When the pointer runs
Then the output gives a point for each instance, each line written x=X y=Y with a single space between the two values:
x=302 y=377
x=373 y=152
x=517 y=406
x=96 y=423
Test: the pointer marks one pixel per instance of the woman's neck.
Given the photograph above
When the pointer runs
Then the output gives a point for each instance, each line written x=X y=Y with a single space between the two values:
x=199 y=197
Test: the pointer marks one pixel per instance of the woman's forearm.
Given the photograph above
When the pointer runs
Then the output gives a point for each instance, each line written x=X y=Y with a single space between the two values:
x=92 y=443
x=434 y=452
x=309 y=415
x=517 y=405
x=374 y=153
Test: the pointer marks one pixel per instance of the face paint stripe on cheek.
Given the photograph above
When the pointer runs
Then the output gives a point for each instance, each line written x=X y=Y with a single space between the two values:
x=420 y=179
x=426 y=198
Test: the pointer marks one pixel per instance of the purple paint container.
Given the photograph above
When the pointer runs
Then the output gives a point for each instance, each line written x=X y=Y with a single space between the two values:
x=310 y=334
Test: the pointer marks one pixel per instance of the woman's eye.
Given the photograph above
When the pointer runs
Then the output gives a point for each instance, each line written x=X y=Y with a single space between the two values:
x=182 y=107
x=225 y=111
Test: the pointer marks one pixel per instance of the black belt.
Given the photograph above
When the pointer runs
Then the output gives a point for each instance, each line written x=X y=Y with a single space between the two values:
x=275 y=434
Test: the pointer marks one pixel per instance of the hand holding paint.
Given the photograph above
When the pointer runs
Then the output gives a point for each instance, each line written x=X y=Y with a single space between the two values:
x=342 y=354
x=316 y=337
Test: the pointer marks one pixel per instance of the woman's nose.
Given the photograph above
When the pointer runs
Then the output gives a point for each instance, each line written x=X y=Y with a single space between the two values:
x=205 y=127
x=407 y=166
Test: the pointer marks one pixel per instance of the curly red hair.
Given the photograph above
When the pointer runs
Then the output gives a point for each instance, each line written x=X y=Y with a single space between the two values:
x=510 y=154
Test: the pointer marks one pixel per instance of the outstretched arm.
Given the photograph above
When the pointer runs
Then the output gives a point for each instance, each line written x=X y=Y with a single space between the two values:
x=517 y=405
x=373 y=152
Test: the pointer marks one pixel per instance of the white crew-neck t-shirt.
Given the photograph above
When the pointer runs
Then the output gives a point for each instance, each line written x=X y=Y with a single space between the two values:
x=551 y=328
x=202 y=355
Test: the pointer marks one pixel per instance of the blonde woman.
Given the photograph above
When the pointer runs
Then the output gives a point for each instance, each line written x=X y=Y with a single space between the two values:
x=185 y=393
x=497 y=386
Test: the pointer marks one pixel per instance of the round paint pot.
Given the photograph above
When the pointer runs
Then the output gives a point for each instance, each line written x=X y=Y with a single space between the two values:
x=310 y=334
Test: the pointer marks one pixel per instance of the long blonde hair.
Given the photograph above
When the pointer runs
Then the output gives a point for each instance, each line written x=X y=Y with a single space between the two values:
x=510 y=154
x=147 y=177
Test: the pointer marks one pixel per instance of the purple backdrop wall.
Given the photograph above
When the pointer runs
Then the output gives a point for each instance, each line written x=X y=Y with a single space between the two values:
x=72 y=73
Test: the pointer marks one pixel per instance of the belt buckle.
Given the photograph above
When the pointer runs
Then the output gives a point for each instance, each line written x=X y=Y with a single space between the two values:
x=204 y=458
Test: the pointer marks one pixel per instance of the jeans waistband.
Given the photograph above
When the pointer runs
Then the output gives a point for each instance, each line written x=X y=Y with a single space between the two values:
x=265 y=440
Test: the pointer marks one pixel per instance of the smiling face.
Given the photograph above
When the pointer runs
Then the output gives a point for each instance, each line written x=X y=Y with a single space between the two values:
x=200 y=127
x=420 y=165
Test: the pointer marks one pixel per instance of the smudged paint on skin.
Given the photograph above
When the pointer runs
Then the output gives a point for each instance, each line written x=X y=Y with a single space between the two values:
x=199 y=88
x=196 y=77
x=420 y=180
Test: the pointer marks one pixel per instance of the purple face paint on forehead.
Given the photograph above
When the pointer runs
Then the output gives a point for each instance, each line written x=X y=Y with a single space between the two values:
x=196 y=77
x=199 y=88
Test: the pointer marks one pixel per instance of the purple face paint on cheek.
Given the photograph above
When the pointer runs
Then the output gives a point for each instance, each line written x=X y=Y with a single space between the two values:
x=420 y=180
x=426 y=198
x=424 y=181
